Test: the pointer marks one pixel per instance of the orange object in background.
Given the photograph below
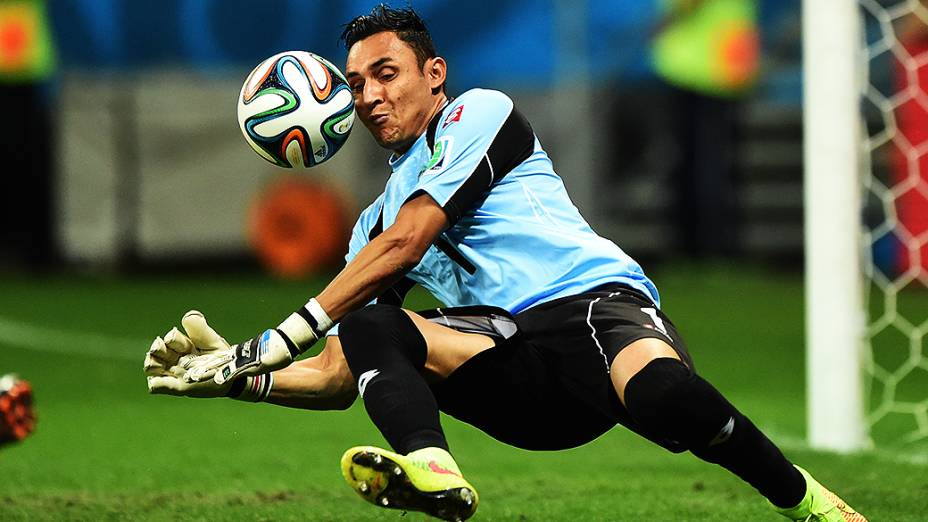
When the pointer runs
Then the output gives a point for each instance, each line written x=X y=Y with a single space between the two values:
x=738 y=55
x=912 y=118
x=17 y=417
x=299 y=227
x=26 y=53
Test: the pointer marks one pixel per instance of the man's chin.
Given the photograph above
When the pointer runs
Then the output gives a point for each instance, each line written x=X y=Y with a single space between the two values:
x=385 y=139
x=394 y=142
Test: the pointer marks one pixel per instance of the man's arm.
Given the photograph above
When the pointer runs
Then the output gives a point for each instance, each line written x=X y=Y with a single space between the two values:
x=376 y=267
x=323 y=382
x=384 y=261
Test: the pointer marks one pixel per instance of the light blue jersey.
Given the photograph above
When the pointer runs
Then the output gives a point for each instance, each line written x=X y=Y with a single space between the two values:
x=515 y=240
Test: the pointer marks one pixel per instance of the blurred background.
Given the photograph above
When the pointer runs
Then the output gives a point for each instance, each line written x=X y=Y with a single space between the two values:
x=676 y=126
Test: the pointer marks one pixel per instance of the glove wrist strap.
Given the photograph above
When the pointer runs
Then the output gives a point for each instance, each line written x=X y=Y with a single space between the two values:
x=305 y=326
x=253 y=388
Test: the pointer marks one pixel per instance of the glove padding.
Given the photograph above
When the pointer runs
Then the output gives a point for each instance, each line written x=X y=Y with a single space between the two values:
x=168 y=359
x=262 y=354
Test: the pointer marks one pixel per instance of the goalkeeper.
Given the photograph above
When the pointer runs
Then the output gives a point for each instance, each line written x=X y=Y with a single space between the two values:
x=552 y=334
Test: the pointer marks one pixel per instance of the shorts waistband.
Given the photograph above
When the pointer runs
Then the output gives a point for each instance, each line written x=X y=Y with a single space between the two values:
x=620 y=287
x=605 y=288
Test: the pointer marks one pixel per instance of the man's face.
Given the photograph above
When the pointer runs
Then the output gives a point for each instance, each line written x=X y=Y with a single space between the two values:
x=392 y=95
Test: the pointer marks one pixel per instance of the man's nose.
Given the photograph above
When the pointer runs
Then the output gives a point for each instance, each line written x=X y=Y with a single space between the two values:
x=372 y=95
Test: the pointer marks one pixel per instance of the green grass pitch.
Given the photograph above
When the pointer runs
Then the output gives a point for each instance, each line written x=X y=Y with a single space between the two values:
x=106 y=450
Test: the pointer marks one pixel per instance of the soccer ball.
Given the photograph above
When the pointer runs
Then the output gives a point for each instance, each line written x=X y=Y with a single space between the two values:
x=295 y=109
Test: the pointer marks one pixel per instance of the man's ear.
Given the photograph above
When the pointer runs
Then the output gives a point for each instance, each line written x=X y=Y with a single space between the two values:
x=436 y=70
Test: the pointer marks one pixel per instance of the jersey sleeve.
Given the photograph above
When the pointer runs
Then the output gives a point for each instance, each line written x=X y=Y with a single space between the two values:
x=480 y=138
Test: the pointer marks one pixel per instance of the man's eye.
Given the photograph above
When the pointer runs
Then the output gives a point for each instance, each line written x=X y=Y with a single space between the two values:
x=387 y=76
x=357 y=88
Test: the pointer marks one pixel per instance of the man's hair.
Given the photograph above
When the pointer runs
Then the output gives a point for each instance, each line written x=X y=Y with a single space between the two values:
x=406 y=23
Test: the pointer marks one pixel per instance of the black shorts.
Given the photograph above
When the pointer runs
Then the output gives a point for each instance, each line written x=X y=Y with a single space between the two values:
x=545 y=385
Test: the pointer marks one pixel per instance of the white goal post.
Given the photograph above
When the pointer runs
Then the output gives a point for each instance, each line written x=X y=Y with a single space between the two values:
x=835 y=317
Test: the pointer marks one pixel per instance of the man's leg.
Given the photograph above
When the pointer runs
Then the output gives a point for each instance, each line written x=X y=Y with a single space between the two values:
x=667 y=399
x=390 y=352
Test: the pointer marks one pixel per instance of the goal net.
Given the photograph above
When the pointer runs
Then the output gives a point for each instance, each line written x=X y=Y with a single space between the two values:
x=866 y=203
x=894 y=101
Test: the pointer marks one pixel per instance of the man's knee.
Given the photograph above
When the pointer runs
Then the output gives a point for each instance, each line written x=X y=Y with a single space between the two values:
x=634 y=358
x=378 y=330
x=670 y=401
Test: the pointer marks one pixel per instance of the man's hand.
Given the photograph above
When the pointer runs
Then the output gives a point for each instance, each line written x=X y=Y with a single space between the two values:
x=265 y=353
x=205 y=355
x=169 y=358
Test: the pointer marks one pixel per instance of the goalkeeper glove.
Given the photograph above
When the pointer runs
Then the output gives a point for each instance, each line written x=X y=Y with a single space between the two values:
x=274 y=349
x=169 y=358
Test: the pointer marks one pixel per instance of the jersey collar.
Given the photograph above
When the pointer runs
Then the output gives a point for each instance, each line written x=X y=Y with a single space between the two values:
x=429 y=136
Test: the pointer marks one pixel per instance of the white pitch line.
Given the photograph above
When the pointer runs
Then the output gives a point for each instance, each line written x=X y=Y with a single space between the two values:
x=17 y=334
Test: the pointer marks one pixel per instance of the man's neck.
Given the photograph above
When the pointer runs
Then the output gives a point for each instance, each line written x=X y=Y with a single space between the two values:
x=437 y=107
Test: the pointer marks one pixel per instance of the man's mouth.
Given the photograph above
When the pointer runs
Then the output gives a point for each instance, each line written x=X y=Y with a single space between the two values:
x=378 y=119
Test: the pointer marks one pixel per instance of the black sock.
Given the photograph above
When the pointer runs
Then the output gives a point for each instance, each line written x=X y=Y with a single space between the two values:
x=385 y=352
x=667 y=399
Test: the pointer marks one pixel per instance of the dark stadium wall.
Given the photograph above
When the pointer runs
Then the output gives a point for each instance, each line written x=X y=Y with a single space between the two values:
x=146 y=112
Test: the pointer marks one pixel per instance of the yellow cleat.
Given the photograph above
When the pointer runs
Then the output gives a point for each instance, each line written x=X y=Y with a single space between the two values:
x=426 y=480
x=820 y=505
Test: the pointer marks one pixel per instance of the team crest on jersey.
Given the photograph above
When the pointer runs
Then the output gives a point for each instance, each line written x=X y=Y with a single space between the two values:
x=454 y=116
x=441 y=151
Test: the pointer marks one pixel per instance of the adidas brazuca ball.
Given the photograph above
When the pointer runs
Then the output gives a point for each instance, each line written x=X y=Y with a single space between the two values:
x=296 y=109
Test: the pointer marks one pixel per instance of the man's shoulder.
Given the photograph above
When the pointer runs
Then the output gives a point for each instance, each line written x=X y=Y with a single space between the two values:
x=477 y=95
x=476 y=105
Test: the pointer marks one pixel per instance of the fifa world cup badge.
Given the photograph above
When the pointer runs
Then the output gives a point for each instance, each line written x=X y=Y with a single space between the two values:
x=441 y=151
